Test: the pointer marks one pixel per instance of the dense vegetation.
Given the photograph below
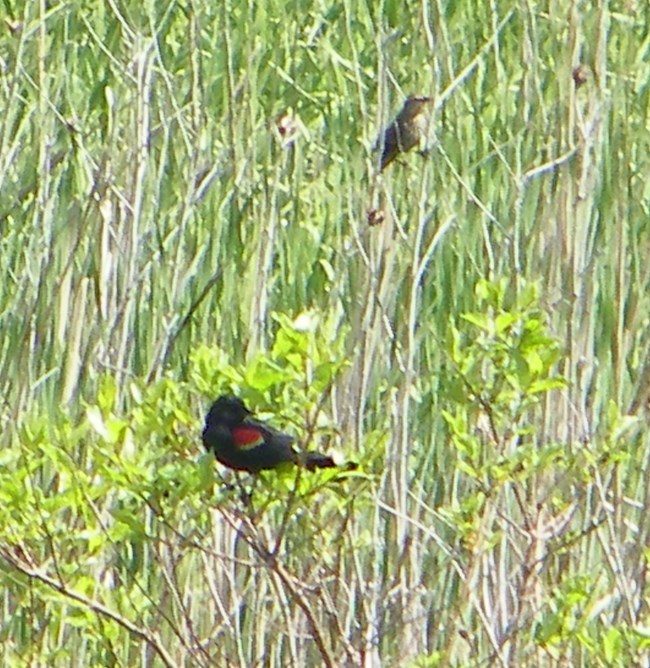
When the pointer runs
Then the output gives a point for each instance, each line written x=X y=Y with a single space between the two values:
x=190 y=204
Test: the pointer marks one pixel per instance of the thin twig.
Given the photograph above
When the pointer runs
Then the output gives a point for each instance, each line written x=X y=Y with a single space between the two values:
x=98 y=608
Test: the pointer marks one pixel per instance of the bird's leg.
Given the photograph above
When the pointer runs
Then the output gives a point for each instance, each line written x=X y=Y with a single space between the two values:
x=245 y=495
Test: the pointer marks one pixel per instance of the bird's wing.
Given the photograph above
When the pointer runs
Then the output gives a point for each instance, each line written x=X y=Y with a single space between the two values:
x=247 y=437
x=269 y=434
x=391 y=145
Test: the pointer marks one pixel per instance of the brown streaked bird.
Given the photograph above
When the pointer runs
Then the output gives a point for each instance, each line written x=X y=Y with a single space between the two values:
x=405 y=131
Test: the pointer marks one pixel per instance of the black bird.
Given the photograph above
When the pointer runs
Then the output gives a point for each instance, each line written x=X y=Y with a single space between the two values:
x=243 y=443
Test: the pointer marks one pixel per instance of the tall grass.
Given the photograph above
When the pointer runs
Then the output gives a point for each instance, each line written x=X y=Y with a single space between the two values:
x=153 y=226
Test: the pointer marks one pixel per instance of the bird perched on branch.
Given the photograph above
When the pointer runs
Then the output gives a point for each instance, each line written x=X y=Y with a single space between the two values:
x=244 y=443
x=406 y=131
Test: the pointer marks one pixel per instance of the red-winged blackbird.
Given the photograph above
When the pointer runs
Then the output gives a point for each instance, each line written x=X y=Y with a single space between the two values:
x=405 y=131
x=241 y=442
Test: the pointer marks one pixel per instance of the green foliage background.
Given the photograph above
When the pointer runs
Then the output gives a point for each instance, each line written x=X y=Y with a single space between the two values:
x=482 y=353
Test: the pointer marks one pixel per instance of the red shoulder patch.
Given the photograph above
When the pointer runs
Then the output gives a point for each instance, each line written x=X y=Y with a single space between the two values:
x=246 y=438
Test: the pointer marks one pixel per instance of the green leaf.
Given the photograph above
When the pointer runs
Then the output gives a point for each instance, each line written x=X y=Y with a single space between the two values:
x=96 y=420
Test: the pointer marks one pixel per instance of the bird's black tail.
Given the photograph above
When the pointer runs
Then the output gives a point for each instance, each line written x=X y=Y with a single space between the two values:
x=316 y=460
